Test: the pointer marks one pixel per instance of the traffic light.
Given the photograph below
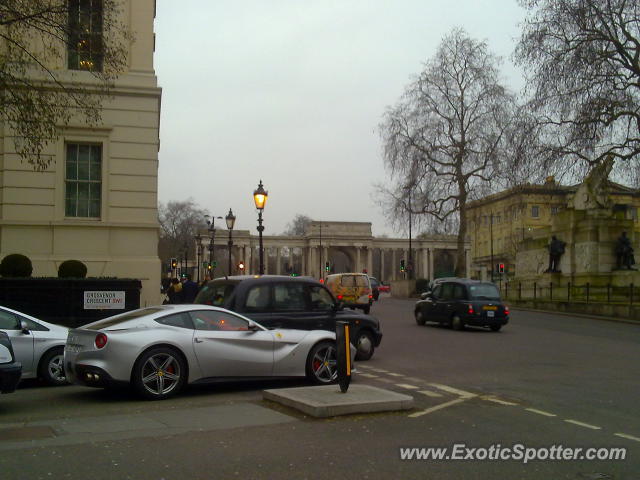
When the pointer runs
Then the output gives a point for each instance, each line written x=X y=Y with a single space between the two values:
x=327 y=267
x=174 y=263
x=402 y=267
x=241 y=266
x=501 y=267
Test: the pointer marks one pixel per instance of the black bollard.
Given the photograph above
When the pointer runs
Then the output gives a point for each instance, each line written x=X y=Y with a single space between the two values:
x=343 y=355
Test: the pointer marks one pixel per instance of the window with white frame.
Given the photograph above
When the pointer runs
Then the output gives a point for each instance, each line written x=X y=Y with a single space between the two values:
x=83 y=180
x=535 y=211
x=85 y=50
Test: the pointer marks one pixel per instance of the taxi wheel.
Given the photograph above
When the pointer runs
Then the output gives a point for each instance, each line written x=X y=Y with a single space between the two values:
x=420 y=320
x=457 y=323
x=495 y=328
x=364 y=345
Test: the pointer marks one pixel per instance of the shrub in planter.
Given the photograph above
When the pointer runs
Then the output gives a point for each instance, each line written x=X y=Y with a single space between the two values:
x=16 y=266
x=72 y=269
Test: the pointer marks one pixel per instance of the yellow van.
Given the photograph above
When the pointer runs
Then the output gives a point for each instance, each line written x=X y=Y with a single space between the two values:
x=352 y=289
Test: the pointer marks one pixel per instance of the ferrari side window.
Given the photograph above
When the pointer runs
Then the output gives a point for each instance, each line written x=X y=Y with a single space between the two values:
x=8 y=321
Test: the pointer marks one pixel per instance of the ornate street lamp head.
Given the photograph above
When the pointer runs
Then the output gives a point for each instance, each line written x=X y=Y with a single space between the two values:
x=230 y=219
x=260 y=196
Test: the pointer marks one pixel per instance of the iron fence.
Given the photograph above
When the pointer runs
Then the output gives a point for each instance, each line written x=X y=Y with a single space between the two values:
x=571 y=292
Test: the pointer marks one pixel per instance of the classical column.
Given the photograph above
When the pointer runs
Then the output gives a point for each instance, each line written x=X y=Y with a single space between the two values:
x=278 y=271
x=394 y=265
x=432 y=252
x=370 y=261
x=425 y=263
x=357 y=266
x=467 y=257
x=381 y=265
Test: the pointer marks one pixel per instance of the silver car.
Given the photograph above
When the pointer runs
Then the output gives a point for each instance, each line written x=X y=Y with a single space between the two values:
x=38 y=345
x=157 y=350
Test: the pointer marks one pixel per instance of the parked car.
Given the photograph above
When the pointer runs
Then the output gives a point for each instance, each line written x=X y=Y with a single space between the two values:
x=158 y=350
x=352 y=289
x=459 y=302
x=278 y=301
x=38 y=345
x=375 y=288
x=10 y=369
x=384 y=288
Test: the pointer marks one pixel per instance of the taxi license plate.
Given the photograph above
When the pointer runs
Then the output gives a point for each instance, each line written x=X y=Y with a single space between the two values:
x=490 y=313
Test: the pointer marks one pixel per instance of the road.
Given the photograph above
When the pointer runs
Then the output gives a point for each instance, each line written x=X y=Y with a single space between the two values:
x=544 y=380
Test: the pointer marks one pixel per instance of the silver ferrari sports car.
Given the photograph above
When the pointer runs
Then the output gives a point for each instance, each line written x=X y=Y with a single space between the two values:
x=157 y=350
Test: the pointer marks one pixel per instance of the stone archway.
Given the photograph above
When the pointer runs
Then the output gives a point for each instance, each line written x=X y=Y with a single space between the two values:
x=444 y=264
x=341 y=259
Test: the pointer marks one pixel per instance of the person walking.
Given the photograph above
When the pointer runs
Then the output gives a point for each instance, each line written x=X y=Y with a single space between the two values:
x=174 y=292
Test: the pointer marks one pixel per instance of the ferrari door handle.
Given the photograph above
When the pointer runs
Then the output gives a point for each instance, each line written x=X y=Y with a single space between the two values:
x=197 y=340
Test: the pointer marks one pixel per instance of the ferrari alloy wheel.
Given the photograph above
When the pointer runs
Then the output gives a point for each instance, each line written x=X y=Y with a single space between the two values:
x=159 y=373
x=321 y=363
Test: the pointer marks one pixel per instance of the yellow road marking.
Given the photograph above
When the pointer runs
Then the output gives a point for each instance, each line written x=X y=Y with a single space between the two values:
x=628 y=437
x=585 y=425
x=540 y=412
x=429 y=393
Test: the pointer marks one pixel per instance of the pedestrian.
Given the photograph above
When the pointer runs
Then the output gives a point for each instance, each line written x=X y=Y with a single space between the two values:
x=174 y=292
x=189 y=289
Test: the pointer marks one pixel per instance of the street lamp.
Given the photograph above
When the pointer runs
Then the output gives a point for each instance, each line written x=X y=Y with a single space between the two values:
x=260 y=198
x=212 y=235
x=231 y=220
x=186 y=258
x=198 y=239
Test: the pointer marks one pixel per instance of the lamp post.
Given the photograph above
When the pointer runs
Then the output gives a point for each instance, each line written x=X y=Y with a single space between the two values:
x=198 y=239
x=260 y=199
x=231 y=220
x=186 y=258
x=212 y=235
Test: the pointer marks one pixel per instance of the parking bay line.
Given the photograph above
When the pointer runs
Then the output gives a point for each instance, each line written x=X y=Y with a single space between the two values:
x=429 y=393
x=541 y=412
x=367 y=375
x=439 y=407
x=455 y=391
x=396 y=374
x=493 y=399
x=628 y=437
x=581 y=424
x=407 y=386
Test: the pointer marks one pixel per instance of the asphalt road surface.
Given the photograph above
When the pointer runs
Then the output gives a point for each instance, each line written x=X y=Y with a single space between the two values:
x=544 y=385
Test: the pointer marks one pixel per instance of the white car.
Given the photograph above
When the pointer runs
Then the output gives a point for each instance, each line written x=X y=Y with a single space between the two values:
x=158 y=350
x=38 y=345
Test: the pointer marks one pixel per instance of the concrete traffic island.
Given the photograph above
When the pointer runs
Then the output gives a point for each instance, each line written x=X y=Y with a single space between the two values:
x=328 y=401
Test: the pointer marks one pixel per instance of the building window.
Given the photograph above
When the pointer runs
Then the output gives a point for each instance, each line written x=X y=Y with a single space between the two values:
x=554 y=210
x=535 y=211
x=83 y=180
x=85 y=49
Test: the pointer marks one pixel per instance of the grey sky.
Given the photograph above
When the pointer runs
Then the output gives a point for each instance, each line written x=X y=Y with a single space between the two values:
x=292 y=92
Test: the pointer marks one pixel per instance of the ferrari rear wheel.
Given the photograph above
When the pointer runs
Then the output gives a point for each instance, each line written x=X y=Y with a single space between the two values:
x=159 y=373
x=321 y=363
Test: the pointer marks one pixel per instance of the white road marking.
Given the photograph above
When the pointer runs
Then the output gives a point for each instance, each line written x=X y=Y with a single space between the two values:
x=628 y=437
x=540 y=412
x=490 y=398
x=429 y=393
x=379 y=370
x=585 y=425
x=396 y=374
x=368 y=375
x=407 y=386
x=455 y=391
x=438 y=407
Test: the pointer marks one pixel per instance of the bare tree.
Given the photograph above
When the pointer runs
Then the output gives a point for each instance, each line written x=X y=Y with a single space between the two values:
x=38 y=92
x=442 y=141
x=584 y=78
x=297 y=226
x=179 y=221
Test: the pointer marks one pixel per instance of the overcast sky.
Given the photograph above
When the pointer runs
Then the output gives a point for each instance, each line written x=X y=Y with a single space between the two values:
x=292 y=92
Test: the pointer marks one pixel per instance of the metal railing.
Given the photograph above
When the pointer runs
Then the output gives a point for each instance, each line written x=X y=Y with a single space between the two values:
x=570 y=292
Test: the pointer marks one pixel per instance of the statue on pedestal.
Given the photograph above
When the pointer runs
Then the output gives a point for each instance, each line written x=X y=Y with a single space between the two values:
x=556 y=249
x=624 y=252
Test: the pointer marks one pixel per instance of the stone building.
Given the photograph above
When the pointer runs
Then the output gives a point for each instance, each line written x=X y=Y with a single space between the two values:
x=97 y=201
x=499 y=223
